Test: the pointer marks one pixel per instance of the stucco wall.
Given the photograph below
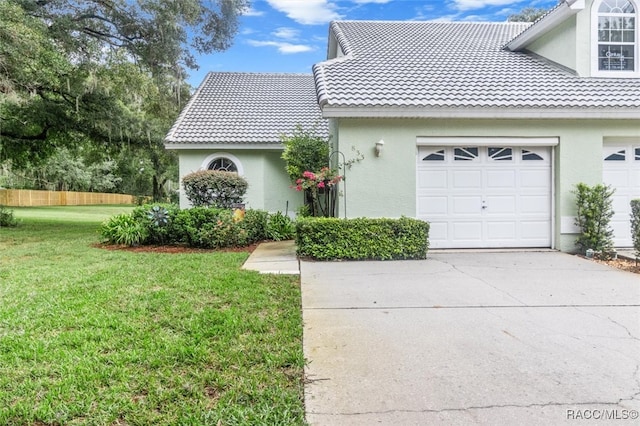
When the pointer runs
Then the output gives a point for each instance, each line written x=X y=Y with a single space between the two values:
x=386 y=185
x=264 y=170
x=559 y=44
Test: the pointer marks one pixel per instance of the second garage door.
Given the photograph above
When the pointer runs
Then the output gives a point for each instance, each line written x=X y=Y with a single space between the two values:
x=485 y=196
x=621 y=171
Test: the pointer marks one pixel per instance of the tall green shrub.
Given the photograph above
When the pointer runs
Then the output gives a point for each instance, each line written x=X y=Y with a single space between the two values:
x=304 y=151
x=214 y=188
x=594 y=212
x=635 y=225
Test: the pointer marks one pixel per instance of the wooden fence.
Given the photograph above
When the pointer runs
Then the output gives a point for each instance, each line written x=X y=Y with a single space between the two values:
x=29 y=198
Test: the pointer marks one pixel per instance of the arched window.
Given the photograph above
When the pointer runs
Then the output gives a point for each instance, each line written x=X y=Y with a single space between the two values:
x=224 y=164
x=616 y=44
x=223 y=161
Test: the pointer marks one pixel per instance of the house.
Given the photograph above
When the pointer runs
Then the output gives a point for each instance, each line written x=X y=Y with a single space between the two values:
x=483 y=129
x=235 y=121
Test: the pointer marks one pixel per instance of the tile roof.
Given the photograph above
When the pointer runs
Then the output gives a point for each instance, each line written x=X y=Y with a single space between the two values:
x=248 y=108
x=454 y=66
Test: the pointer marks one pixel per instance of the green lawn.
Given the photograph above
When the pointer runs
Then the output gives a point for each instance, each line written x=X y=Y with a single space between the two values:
x=71 y=213
x=91 y=336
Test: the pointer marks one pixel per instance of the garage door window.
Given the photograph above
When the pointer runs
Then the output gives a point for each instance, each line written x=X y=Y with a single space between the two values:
x=617 y=156
x=637 y=154
x=435 y=156
x=500 y=154
x=465 y=154
x=530 y=156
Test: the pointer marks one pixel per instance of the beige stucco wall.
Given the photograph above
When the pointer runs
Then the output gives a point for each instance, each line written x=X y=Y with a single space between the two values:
x=386 y=185
x=264 y=170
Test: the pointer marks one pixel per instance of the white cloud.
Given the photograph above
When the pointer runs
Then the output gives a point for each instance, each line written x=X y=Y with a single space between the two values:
x=307 y=12
x=252 y=12
x=429 y=18
x=283 y=47
x=247 y=31
x=371 y=1
x=479 y=4
x=286 y=33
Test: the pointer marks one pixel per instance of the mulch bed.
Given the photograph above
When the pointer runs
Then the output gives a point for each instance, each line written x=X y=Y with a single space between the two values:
x=174 y=249
x=624 y=264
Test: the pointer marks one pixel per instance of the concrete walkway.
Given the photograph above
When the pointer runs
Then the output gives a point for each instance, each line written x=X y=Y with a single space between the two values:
x=471 y=338
x=278 y=257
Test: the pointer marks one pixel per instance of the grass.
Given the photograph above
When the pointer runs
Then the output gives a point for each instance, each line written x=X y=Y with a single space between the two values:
x=97 y=337
x=71 y=213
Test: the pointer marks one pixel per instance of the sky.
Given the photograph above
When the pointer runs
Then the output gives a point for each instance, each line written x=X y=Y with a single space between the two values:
x=291 y=35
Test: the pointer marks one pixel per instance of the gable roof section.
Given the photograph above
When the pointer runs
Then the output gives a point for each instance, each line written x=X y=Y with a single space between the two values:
x=545 y=23
x=457 y=69
x=246 y=110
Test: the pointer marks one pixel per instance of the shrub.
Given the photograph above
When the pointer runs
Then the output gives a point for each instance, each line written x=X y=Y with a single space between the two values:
x=209 y=228
x=594 y=205
x=124 y=229
x=214 y=188
x=303 y=151
x=635 y=225
x=158 y=220
x=255 y=224
x=280 y=227
x=362 y=239
x=6 y=217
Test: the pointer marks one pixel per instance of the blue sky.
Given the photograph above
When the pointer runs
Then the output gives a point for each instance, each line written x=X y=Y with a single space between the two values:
x=291 y=35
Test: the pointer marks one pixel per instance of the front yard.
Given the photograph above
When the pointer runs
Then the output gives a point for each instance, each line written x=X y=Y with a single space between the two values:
x=91 y=336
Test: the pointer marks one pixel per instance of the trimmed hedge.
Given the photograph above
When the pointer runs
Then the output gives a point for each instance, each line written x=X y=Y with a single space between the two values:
x=635 y=225
x=214 y=188
x=362 y=238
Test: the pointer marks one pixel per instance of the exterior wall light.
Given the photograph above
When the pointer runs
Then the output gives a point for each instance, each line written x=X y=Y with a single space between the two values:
x=379 y=146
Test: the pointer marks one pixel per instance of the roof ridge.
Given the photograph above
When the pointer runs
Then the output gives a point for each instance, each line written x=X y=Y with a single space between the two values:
x=341 y=37
x=397 y=21
x=260 y=73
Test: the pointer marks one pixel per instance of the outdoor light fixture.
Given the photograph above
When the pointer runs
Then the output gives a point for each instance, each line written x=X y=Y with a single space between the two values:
x=379 y=146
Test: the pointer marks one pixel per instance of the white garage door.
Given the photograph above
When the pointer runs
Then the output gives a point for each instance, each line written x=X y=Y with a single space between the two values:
x=621 y=170
x=485 y=196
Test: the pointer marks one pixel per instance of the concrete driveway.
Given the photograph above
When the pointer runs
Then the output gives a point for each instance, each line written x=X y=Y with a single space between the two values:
x=471 y=338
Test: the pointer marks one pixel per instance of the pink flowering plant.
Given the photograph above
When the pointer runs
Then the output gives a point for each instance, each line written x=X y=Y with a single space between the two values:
x=325 y=178
x=323 y=182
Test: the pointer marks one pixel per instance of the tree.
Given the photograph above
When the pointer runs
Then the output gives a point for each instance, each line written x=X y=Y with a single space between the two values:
x=101 y=70
x=528 y=14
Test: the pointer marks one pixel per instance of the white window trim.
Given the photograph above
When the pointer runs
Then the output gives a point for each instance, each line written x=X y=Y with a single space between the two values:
x=595 y=71
x=215 y=156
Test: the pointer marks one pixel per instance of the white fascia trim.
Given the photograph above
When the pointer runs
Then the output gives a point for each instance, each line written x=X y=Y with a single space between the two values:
x=511 y=113
x=567 y=9
x=209 y=147
x=486 y=141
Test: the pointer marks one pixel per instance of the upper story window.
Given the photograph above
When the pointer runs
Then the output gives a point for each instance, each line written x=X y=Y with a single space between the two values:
x=617 y=37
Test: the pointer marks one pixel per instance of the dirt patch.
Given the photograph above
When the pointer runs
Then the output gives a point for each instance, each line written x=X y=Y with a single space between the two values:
x=174 y=249
x=624 y=264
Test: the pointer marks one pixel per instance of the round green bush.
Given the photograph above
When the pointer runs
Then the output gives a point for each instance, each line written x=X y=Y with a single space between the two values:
x=214 y=188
